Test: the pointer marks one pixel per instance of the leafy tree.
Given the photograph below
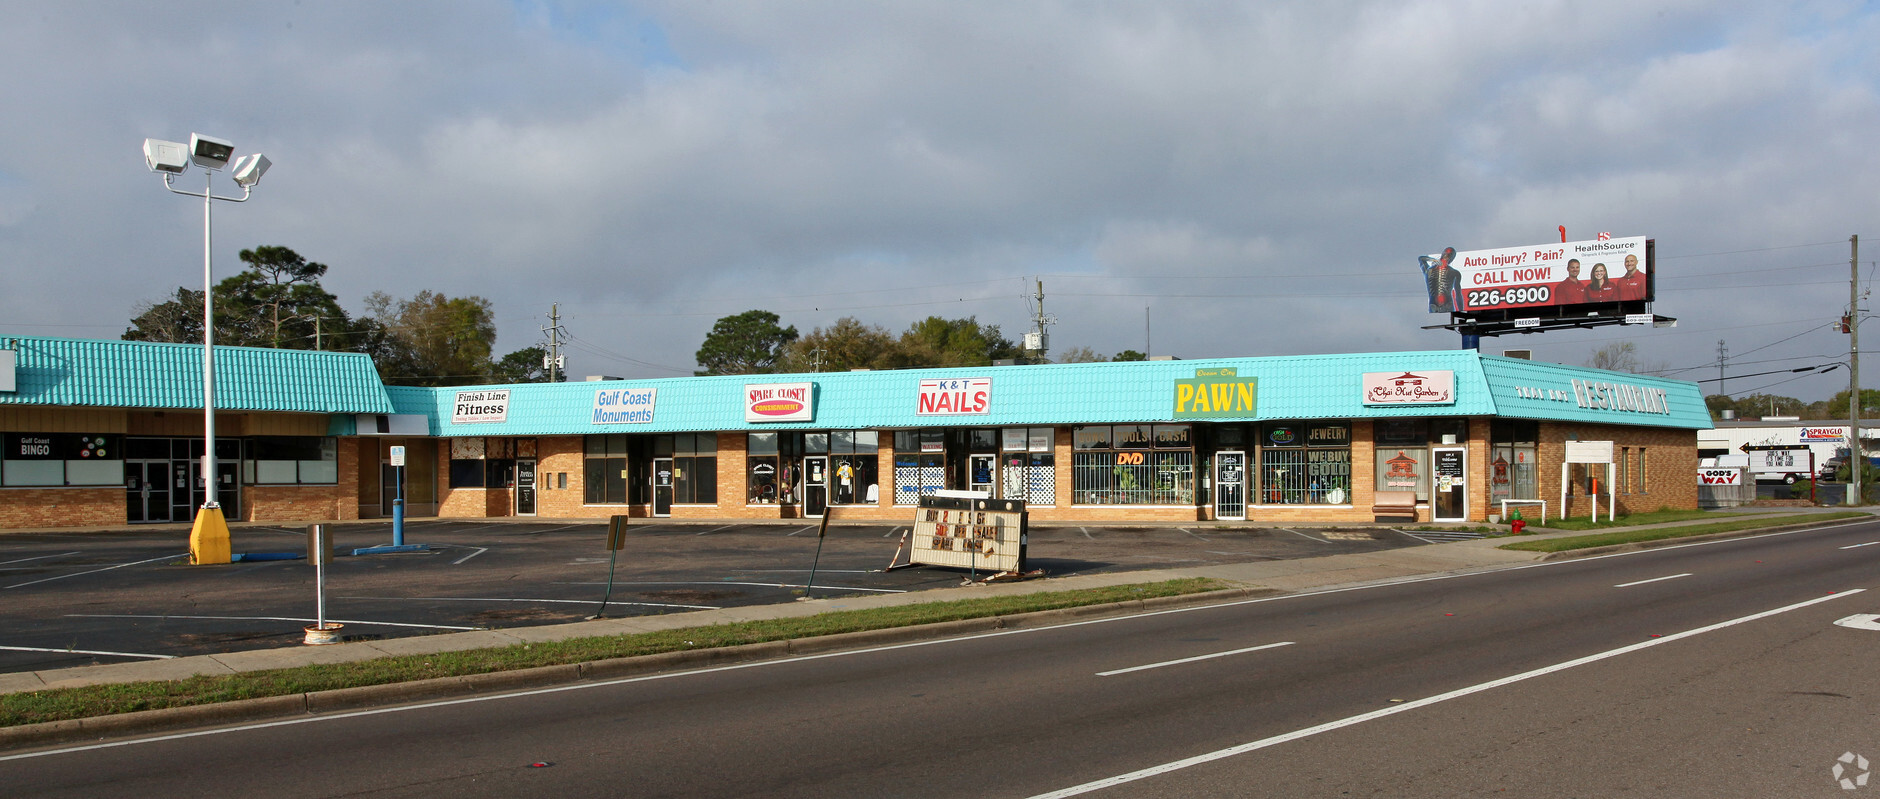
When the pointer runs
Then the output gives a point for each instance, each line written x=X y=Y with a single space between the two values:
x=431 y=339
x=744 y=344
x=935 y=341
x=1081 y=355
x=1836 y=406
x=278 y=302
x=525 y=366
x=847 y=344
x=175 y=321
x=1129 y=355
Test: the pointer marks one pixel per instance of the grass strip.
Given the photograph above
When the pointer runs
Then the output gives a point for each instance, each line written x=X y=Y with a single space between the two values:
x=1660 y=533
x=100 y=700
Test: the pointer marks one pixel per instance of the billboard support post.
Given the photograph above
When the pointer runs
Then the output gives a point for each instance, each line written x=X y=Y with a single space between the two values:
x=1856 y=454
x=821 y=533
x=616 y=540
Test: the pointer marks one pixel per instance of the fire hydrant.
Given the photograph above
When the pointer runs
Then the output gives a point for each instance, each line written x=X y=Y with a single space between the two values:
x=1516 y=522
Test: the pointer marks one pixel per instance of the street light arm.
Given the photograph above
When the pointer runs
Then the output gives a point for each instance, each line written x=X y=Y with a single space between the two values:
x=246 y=191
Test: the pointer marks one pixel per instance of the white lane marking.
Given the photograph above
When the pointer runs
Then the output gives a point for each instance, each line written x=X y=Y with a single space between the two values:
x=1860 y=621
x=1323 y=541
x=1415 y=536
x=41 y=557
x=909 y=645
x=759 y=585
x=1858 y=546
x=1190 y=532
x=87 y=652
x=267 y=618
x=553 y=601
x=1349 y=721
x=804 y=530
x=479 y=551
x=1192 y=659
x=1653 y=580
x=95 y=571
x=716 y=529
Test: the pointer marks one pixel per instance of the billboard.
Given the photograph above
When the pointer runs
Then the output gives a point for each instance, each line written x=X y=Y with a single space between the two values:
x=1603 y=270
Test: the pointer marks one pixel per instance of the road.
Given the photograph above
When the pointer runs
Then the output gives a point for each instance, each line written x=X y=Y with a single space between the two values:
x=1701 y=670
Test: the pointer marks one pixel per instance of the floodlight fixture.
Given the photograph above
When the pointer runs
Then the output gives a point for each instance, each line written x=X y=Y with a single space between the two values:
x=166 y=156
x=248 y=170
x=208 y=152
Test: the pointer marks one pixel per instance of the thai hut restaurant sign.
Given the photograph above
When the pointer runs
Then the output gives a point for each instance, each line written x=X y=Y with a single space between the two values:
x=480 y=407
x=1433 y=387
x=1216 y=394
x=624 y=405
x=968 y=395
x=778 y=402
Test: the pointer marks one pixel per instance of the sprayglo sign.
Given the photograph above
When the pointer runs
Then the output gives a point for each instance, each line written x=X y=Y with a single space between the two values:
x=778 y=402
x=966 y=395
x=623 y=405
x=1823 y=433
x=1216 y=394
x=1538 y=276
x=480 y=407
x=1434 y=387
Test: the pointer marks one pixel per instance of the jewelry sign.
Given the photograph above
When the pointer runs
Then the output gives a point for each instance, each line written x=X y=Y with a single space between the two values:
x=963 y=533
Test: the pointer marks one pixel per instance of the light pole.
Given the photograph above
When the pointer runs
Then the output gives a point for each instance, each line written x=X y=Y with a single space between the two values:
x=208 y=537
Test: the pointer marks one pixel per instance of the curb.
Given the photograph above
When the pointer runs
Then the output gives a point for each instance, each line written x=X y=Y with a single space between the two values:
x=1637 y=546
x=288 y=706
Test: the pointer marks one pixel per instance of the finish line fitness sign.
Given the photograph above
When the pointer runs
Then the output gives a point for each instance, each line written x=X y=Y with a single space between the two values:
x=480 y=407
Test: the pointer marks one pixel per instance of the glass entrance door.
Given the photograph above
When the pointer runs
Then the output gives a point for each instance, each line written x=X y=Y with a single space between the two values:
x=188 y=493
x=146 y=491
x=525 y=486
x=1230 y=486
x=1449 y=493
x=815 y=486
x=980 y=469
x=662 y=486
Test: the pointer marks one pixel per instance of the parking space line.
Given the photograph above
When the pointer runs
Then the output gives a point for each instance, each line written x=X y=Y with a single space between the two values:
x=716 y=529
x=41 y=557
x=1857 y=546
x=87 y=652
x=264 y=618
x=1087 y=533
x=1320 y=540
x=891 y=532
x=552 y=601
x=760 y=585
x=479 y=551
x=1652 y=580
x=804 y=530
x=1192 y=659
x=95 y=571
x=1190 y=532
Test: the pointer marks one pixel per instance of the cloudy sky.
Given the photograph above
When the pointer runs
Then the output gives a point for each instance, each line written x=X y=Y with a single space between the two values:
x=1248 y=178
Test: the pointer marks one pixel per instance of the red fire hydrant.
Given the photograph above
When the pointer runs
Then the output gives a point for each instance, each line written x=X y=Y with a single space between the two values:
x=1516 y=522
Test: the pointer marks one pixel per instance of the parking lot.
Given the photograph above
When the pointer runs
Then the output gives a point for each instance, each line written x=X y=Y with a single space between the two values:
x=72 y=599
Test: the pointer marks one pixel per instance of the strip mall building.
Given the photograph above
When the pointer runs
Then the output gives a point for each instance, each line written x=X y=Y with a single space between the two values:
x=105 y=433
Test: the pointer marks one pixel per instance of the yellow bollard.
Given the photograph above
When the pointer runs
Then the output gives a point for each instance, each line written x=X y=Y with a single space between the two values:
x=208 y=538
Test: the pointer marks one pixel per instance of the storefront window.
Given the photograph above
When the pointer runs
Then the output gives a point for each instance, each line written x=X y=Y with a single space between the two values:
x=762 y=481
x=1305 y=463
x=853 y=465
x=1513 y=463
x=291 y=460
x=1028 y=464
x=466 y=462
x=1125 y=474
x=605 y=470
x=694 y=467
x=62 y=459
x=919 y=464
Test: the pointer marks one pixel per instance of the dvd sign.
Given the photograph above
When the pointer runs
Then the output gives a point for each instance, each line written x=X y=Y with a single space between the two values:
x=778 y=402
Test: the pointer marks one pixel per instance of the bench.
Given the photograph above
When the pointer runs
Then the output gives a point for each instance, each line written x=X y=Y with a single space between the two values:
x=1394 y=505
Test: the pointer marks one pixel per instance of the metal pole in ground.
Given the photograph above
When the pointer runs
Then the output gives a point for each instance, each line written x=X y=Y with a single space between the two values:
x=616 y=540
x=821 y=532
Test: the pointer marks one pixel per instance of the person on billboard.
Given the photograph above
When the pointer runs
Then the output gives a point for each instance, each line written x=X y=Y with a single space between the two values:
x=1570 y=291
x=1632 y=283
x=1601 y=288
x=1443 y=281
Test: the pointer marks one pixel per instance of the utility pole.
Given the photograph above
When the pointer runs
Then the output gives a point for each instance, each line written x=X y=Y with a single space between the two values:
x=1148 y=341
x=1038 y=341
x=1723 y=358
x=1856 y=453
x=552 y=363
